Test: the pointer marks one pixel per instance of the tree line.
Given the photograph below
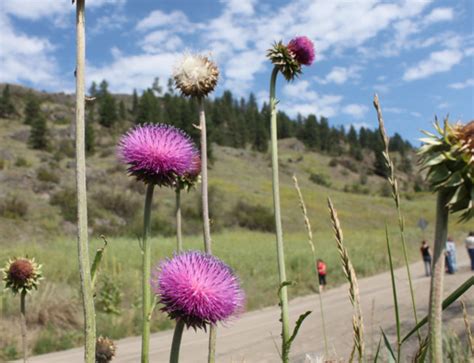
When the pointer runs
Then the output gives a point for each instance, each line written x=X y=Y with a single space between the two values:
x=234 y=122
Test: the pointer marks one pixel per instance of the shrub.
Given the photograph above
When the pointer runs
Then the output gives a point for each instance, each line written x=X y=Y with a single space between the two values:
x=349 y=164
x=13 y=207
x=2 y=164
x=66 y=201
x=46 y=175
x=65 y=148
x=122 y=204
x=356 y=188
x=333 y=162
x=320 y=179
x=254 y=217
x=109 y=297
x=385 y=190
x=22 y=162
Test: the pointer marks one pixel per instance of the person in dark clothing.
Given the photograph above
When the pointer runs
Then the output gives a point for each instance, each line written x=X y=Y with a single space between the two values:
x=322 y=274
x=426 y=255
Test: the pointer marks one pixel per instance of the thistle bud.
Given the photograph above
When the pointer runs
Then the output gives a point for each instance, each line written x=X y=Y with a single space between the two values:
x=289 y=58
x=196 y=75
x=104 y=350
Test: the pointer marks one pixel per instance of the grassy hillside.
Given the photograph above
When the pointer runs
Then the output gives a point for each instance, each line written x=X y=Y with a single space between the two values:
x=37 y=205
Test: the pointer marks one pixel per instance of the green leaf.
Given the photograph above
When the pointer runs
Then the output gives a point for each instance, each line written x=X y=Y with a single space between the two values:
x=438 y=174
x=391 y=356
x=376 y=358
x=296 y=329
x=97 y=259
x=446 y=302
x=436 y=159
x=454 y=180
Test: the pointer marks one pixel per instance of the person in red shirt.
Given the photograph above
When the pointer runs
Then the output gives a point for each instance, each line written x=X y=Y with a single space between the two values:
x=322 y=274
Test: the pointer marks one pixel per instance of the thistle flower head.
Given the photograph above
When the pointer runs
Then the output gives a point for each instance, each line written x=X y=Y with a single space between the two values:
x=449 y=159
x=157 y=153
x=196 y=75
x=302 y=49
x=289 y=58
x=21 y=275
x=198 y=288
x=104 y=350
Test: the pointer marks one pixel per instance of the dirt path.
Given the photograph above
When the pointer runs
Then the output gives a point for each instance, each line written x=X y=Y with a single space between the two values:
x=253 y=338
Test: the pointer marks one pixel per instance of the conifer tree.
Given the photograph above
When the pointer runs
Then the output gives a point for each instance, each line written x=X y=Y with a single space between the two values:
x=6 y=106
x=134 y=110
x=32 y=109
x=39 y=133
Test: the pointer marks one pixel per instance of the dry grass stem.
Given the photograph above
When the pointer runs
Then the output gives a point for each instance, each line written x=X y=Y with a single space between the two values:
x=391 y=178
x=349 y=272
x=468 y=326
x=313 y=251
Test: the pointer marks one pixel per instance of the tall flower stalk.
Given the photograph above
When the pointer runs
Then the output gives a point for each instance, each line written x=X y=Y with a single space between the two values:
x=197 y=290
x=288 y=60
x=21 y=276
x=196 y=76
x=157 y=155
x=449 y=158
x=82 y=230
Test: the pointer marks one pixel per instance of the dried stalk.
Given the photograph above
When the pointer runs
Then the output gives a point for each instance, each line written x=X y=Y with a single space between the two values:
x=349 y=272
x=468 y=327
x=391 y=178
x=82 y=230
x=205 y=215
x=313 y=251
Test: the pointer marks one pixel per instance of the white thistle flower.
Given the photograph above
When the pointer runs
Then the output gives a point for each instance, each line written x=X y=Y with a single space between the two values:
x=196 y=75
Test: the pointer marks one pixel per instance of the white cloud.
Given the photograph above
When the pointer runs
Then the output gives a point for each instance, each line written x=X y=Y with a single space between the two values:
x=464 y=84
x=437 y=62
x=25 y=58
x=396 y=110
x=300 y=99
x=340 y=75
x=159 y=19
x=355 y=110
x=127 y=73
x=416 y=114
x=439 y=14
x=243 y=7
x=159 y=40
x=35 y=9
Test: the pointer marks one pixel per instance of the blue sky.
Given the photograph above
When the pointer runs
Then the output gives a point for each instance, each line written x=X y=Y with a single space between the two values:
x=417 y=54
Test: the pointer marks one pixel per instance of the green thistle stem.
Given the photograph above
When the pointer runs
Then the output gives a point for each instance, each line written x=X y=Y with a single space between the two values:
x=436 y=293
x=82 y=230
x=283 y=293
x=179 y=234
x=175 y=345
x=205 y=214
x=23 y=325
x=146 y=255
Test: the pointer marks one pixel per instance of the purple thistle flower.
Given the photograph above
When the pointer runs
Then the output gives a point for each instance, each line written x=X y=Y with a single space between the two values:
x=198 y=288
x=302 y=49
x=158 y=153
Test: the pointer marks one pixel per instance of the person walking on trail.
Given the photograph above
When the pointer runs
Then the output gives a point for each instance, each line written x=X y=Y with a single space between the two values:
x=469 y=242
x=322 y=274
x=450 y=256
x=426 y=255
